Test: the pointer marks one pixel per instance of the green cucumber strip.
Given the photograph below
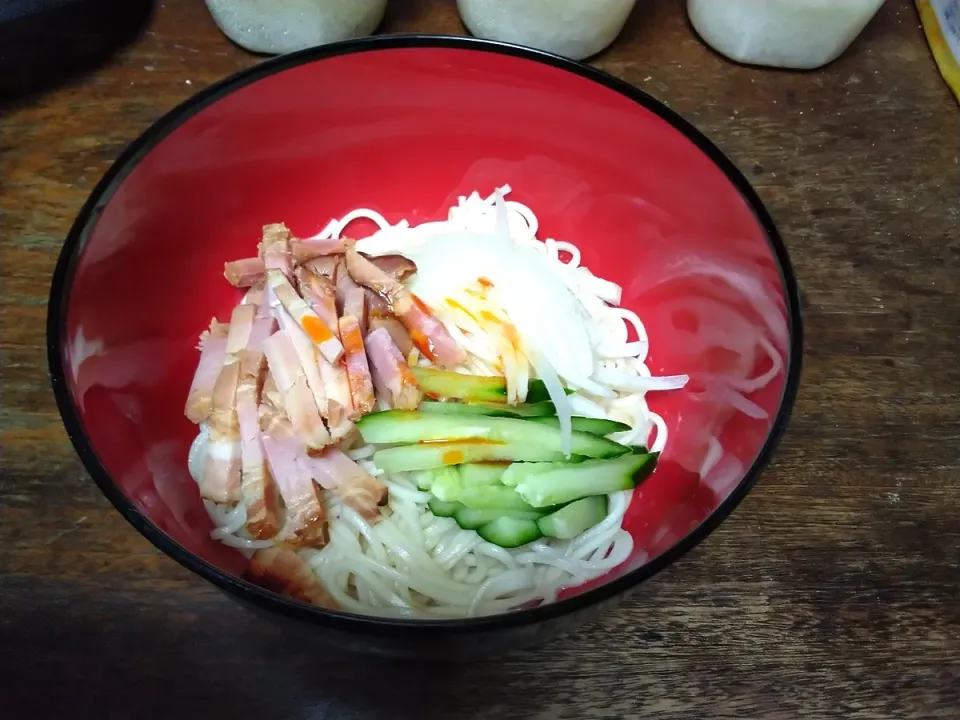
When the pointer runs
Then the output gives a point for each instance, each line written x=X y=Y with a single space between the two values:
x=393 y=427
x=537 y=392
x=443 y=509
x=446 y=484
x=493 y=497
x=594 y=426
x=518 y=472
x=471 y=518
x=573 y=519
x=460 y=386
x=425 y=479
x=540 y=409
x=508 y=532
x=592 y=477
x=448 y=385
x=482 y=473
x=434 y=455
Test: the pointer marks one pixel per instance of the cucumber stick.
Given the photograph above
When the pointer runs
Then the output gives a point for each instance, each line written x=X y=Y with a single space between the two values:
x=434 y=455
x=424 y=479
x=472 y=519
x=460 y=386
x=448 y=385
x=510 y=532
x=493 y=497
x=446 y=485
x=503 y=500
x=530 y=410
x=393 y=427
x=537 y=392
x=520 y=471
x=594 y=426
x=443 y=509
x=592 y=477
x=482 y=473
x=571 y=520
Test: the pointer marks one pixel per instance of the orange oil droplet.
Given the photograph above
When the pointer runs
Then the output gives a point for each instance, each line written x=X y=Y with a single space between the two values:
x=316 y=329
x=423 y=344
x=408 y=380
x=350 y=335
x=420 y=304
x=453 y=457
x=457 y=306
x=513 y=337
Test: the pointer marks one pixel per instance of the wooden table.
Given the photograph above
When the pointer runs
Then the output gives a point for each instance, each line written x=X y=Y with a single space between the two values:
x=834 y=591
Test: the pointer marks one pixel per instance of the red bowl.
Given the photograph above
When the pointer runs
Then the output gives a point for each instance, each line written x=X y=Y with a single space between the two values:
x=404 y=125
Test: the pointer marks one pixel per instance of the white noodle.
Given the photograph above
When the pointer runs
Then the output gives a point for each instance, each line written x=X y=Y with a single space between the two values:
x=361 y=453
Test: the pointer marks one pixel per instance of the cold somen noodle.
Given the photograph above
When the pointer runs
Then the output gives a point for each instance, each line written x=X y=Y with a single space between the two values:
x=549 y=317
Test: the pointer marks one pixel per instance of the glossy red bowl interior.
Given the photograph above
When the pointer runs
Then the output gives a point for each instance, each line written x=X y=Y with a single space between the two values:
x=404 y=126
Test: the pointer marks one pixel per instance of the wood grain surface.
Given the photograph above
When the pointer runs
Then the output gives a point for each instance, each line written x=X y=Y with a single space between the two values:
x=834 y=591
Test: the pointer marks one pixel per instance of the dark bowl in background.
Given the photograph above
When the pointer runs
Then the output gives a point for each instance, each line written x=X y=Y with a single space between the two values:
x=47 y=42
x=404 y=125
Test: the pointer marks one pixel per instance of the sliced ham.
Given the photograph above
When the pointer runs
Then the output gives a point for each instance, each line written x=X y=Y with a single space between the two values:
x=258 y=490
x=306 y=521
x=391 y=372
x=213 y=350
x=328 y=382
x=241 y=329
x=220 y=481
x=306 y=250
x=270 y=397
x=291 y=381
x=248 y=331
x=358 y=371
x=309 y=361
x=283 y=571
x=426 y=331
x=255 y=296
x=336 y=472
x=274 y=249
x=244 y=272
x=263 y=327
x=325 y=267
x=321 y=294
x=222 y=478
x=398 y=333
x=340 y=409
x=344 y=284
x=355 y=305
x=273 y=418
x=396 y=266
x=376 y=305
x=380 y=315
x=322 y=336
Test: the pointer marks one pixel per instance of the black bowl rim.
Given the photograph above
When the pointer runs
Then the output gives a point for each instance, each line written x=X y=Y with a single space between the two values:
x=362 y=624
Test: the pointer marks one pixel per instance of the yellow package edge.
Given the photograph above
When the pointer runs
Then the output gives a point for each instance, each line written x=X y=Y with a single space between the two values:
x=948 y=64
